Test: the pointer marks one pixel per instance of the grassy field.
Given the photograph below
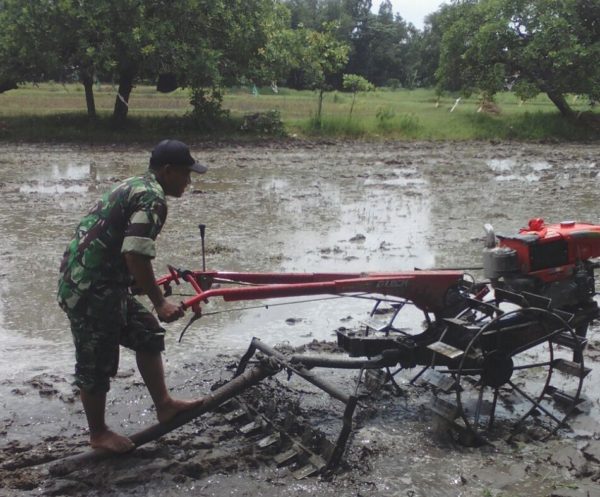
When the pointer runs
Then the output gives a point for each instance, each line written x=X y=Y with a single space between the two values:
x=55 y=112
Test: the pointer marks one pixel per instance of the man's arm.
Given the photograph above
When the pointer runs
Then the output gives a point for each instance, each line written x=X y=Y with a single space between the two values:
x=140 y=267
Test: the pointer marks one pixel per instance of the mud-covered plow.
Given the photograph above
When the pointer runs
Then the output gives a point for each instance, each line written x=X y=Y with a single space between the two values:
x=498 y=356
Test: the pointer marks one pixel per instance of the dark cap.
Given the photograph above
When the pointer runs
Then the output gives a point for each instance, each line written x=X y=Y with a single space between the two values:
x=175 y=153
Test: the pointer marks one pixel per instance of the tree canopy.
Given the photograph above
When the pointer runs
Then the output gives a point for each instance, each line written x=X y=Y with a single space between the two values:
x=202 y=43
x=312 y=58
x=380 y=45
x=529 y=46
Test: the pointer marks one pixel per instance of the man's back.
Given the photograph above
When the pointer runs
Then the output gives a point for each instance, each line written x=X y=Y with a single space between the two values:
x=126 y=219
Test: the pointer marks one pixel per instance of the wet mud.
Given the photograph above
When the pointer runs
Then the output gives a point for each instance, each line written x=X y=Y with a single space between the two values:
x=302 y=207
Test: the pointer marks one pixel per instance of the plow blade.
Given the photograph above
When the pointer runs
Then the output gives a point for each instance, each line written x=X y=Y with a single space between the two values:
x=295 y=439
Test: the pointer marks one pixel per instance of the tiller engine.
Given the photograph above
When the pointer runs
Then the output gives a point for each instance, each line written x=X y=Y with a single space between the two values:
x=497 y=355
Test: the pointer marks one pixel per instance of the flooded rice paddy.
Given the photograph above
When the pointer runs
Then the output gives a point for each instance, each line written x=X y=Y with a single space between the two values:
x=298 y=207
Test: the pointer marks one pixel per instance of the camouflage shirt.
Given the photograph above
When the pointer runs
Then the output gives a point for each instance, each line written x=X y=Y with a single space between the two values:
x=128 y=218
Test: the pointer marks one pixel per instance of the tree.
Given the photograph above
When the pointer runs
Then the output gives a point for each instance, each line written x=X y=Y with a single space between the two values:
x=23 y=54
x=202 y=43
x=382 y=48
x=321 y=58
x=66 y=40
x=314 y=57
x=348 y=15
x=85 y=42
x=355 y=83
x=533 y=46
x=239 y=34
x=324 y=57
x=428 y=43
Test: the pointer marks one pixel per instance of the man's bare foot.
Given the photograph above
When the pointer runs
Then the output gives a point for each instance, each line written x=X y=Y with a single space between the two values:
x=112 y=441
x=171 y=407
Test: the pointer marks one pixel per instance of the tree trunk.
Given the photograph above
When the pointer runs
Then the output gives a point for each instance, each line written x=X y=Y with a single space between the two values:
x=586 y=118
x=320 y=107
x=88 y=85
x=352 y=106
x=122 y=100
x=559 y=100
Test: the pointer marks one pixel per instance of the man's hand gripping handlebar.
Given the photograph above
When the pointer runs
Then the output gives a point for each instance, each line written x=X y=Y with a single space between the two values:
x=176 y=312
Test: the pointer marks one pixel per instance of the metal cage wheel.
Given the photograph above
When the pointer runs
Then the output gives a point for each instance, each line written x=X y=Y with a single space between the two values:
x=516 y=368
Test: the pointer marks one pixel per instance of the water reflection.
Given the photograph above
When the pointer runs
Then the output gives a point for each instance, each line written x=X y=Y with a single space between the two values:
x=501 y=165
x=70 y=171
x=540 y=165
x=52 y=189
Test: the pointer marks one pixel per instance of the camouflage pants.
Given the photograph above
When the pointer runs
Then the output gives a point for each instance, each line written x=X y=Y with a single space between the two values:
x=104 y=319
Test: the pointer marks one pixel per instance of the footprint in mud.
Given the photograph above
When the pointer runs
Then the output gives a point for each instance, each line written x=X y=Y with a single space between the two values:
x=358 y=238
x=49 y=386
x=45 y=388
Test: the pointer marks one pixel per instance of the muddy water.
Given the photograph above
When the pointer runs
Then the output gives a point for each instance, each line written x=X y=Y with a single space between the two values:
x=298 y=207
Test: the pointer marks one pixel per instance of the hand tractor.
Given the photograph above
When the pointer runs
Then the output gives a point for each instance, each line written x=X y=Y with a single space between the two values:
x=497 y=355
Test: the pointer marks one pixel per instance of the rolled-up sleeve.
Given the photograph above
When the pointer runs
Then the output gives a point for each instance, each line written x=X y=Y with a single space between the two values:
x=144 y=226
x=139 y=245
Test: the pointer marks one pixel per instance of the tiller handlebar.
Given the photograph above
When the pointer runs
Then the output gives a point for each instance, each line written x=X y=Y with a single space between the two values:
x=426 y=289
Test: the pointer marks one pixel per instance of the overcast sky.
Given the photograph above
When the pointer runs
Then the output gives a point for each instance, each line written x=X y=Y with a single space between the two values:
x=412 y=10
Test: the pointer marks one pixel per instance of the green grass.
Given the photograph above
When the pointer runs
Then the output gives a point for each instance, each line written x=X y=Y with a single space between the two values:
x=55 y=112
x=76 y=127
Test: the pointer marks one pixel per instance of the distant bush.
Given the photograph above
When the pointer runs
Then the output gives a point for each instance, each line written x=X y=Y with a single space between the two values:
x=208 y=112
x=336 y=126
x=388 y=122
x=264 y=123
x=338 y=99
x=409 y=124
x=384 y=117
x=393 y=84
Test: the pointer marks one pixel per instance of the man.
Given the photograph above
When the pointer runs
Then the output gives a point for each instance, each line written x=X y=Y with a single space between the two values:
x=112 y=249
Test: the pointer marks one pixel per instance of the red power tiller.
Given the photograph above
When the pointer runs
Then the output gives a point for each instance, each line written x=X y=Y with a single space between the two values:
x=495 y=354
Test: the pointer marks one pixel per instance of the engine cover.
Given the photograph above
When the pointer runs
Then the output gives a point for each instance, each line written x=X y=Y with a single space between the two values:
x=550 y=252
